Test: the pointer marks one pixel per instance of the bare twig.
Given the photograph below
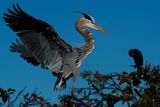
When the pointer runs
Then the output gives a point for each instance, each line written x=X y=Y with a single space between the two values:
x=75 y=98
x=12 y=102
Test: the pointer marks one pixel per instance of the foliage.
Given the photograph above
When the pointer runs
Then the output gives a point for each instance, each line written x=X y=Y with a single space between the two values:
x=140 y=88
x=25 y=99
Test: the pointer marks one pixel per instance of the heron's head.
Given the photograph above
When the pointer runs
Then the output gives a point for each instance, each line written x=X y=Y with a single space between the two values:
x=89 y=21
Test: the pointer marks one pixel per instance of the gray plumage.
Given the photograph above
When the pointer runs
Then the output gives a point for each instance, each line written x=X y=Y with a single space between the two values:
x=39 y=44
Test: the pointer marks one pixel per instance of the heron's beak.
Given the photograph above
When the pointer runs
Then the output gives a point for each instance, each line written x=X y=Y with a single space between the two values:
x=95 y=26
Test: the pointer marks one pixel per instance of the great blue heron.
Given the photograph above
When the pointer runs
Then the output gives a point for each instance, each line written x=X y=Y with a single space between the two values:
x=40 y=44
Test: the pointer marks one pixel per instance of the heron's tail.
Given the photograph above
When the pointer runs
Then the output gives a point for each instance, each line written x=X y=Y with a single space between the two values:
x=60 y=83
x=61 y=80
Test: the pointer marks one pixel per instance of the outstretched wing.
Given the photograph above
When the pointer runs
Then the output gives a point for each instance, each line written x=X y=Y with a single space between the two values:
x=39 y=40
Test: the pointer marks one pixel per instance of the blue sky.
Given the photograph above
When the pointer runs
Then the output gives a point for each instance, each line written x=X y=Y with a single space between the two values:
x=130 y=24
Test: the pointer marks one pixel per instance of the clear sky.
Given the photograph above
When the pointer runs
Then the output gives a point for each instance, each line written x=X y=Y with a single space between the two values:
x=129 y=23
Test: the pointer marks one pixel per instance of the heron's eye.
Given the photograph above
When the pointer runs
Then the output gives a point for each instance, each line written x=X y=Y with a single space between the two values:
x=88 y=21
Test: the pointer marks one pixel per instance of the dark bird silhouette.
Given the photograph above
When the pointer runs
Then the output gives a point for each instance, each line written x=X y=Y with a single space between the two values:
x=138 y=58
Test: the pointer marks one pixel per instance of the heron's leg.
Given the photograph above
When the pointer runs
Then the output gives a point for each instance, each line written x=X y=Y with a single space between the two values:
x=75 y=72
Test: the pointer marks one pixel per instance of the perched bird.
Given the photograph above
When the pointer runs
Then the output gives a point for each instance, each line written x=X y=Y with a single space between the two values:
x=39 y=44
x=138 y=58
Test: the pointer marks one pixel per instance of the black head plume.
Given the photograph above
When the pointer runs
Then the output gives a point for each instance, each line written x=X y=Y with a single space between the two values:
x=86 y=16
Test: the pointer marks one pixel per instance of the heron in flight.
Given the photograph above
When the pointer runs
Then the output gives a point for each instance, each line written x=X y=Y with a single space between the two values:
x=39 y=44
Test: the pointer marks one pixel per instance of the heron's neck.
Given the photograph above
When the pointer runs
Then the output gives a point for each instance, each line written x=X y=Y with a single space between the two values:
x=88 y=36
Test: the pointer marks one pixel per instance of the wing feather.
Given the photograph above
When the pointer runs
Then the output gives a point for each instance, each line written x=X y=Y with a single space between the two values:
x=37 y=37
